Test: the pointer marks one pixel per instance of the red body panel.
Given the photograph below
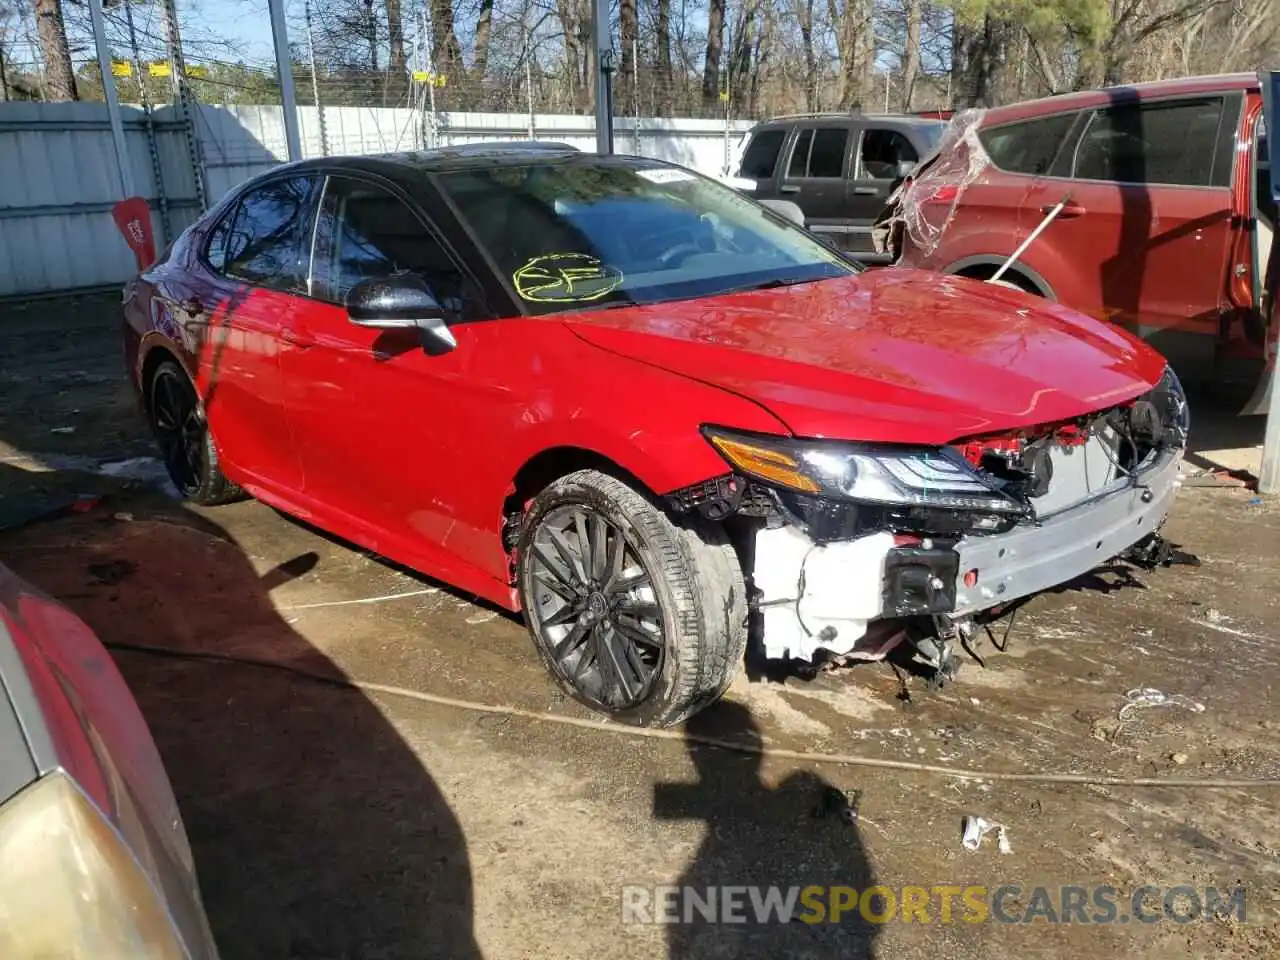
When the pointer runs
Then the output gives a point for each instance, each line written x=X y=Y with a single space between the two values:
x=412 y=455
x=890 y=356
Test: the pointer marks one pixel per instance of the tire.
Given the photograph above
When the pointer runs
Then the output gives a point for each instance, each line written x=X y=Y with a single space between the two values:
x=648 y=636
x=186 y=443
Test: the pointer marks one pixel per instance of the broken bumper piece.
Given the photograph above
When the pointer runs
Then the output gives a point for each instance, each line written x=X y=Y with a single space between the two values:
x=826 y=596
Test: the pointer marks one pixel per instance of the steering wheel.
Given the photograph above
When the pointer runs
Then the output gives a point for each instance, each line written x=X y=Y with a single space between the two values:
x=677 y=254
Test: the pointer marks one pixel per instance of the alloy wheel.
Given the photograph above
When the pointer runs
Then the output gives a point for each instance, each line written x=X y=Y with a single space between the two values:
x=179 y=429
x=595 y=613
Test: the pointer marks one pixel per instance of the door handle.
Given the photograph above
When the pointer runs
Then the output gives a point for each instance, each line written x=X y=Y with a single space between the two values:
x=866 y=191
x=788 y=188
x=1070 y=210
x=297 y=338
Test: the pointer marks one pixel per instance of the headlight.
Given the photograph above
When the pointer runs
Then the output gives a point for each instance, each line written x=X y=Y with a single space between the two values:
x=68 y=885
x=913 y=476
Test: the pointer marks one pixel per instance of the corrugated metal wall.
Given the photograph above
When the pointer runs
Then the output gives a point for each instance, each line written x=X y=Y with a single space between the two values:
x=59 y=177
x=58 y=181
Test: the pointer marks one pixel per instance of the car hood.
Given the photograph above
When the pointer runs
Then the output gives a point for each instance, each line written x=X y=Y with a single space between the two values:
x=899 y=356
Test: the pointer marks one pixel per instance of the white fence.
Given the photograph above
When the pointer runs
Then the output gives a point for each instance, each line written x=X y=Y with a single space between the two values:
x=59 y=177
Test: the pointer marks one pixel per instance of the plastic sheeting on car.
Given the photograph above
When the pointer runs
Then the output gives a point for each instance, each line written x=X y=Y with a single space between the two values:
x=922 y=207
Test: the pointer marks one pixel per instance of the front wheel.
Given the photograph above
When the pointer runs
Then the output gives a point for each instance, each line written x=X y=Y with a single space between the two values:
x=635 y=616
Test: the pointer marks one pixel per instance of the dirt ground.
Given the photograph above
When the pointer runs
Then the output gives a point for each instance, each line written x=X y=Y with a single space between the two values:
x=333 y=823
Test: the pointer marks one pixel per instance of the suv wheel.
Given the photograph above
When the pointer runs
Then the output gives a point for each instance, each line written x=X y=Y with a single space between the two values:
x=634 y=616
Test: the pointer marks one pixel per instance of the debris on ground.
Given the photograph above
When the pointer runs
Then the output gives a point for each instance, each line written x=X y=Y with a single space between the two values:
x=1179 y=758
x=1155 y=551
x=976 y=828
x=63 y=430
x=1143 y=697
x=839 y=803
x=124 y=515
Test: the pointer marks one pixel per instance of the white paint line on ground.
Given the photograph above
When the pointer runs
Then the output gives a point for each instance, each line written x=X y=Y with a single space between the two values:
x=347 y=603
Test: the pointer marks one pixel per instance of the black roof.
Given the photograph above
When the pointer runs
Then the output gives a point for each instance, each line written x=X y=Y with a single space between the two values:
x=466 y=156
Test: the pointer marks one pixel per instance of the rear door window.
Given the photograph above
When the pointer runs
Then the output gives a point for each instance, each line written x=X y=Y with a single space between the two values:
x=799 y=164
x=760 y=159
x=819 y=153
x=881 y=153
x=1173 y=142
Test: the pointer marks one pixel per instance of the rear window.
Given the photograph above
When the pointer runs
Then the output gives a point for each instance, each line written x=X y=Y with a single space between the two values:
x=1167 y=143
x=760 y=159
x=1029 y=146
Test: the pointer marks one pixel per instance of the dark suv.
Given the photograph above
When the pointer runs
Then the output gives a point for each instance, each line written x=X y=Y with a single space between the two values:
x=837 y=167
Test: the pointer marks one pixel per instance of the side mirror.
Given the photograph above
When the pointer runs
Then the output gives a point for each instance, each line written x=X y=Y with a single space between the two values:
x=906 y=168
x=401 y=301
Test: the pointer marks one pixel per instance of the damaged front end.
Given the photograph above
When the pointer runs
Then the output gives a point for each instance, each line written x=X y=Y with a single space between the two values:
x=852 y=548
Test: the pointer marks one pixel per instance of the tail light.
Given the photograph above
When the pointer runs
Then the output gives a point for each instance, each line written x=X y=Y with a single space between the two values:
x=69 y=887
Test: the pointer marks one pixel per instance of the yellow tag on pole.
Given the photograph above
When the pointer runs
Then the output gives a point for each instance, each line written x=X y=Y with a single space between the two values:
x=198 y=72
x=421 y=76
x=158 y=69
x=121 y=68
x=724 y=96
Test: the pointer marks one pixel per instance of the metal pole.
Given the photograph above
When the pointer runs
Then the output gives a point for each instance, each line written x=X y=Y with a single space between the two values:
x=182 y=97
x=635 y=90
x=315 y=84
x=284 y=69
x=1031 y=238
x=113 y=103
x=433 y=124
x=528 y=79
x=157 y=174
x=602 y=43
x=1269 y=470
x=4 y=82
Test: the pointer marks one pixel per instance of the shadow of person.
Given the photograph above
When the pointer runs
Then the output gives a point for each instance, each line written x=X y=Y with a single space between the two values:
x=761 y=837
x=316 y=831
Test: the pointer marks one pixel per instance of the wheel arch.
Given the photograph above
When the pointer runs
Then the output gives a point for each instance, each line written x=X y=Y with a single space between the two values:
x=547 y=466
x=150 y=356
x=982 y=266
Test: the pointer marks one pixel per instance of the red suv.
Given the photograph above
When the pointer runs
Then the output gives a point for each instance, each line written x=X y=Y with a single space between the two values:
x=1164 y=228
x=617 y=396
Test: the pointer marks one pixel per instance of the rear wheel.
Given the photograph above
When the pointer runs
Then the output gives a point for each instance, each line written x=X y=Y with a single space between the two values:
x=633 y=615
x=182 y=433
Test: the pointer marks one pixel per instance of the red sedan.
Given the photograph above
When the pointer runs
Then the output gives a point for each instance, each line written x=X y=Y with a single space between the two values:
x=639 y=407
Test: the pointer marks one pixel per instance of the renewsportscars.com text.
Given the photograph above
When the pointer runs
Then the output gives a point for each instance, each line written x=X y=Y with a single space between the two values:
x=939 y=903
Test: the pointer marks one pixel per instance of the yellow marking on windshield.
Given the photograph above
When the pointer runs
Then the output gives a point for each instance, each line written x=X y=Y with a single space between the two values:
x=565 y=278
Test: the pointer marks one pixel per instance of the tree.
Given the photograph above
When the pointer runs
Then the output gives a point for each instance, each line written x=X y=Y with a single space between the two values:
x=59 y=75
x=911 y=53
x=629 y=33
x=711 y=64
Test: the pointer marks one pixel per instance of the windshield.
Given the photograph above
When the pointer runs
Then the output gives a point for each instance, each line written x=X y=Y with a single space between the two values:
x=588 y=231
